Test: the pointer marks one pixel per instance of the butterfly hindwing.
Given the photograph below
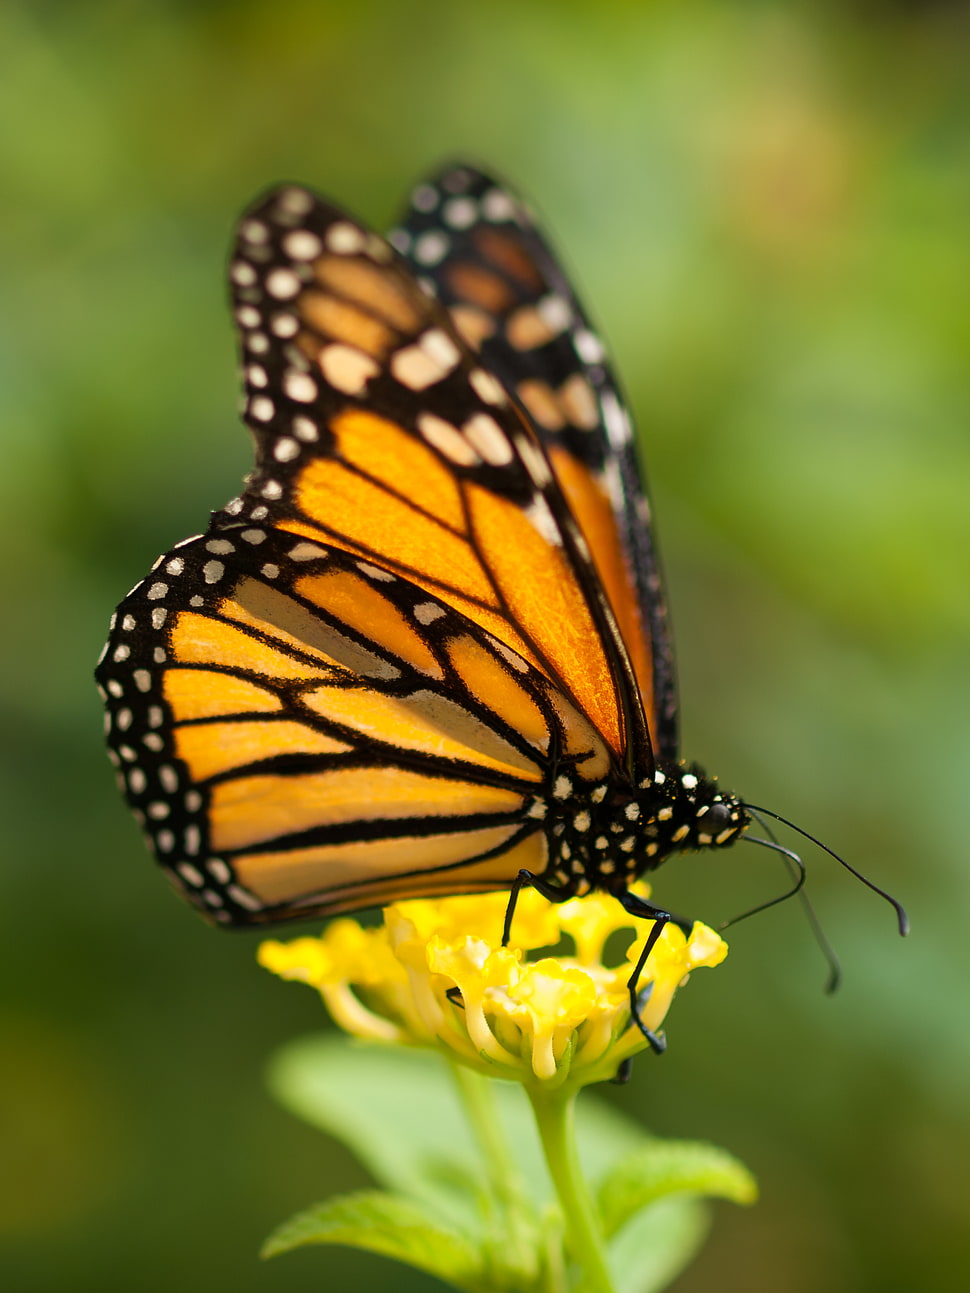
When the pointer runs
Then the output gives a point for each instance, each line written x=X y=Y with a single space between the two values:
x=301 y=732
x=476 y=245
x=380 y=431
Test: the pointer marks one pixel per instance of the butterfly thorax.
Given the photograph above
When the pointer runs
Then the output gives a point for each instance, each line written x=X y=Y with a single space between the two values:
x=618 y=832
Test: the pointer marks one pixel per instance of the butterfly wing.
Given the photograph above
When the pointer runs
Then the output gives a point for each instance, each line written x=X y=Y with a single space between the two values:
x=476 y=246
x=301 y=732
x=378 y=430
x=370 y=675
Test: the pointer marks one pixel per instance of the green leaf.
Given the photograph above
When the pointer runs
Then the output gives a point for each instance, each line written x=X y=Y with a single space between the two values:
x=662 y=1168
x=393 y=1226
x=399 y=1112
x=657 y=1244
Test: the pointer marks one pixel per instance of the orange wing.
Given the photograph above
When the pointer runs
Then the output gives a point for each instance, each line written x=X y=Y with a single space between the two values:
x=478 y=245
x=301 y=732
x=379 y=431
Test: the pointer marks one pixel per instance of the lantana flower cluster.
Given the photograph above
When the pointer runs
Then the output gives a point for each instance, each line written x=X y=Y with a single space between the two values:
x=435 y=975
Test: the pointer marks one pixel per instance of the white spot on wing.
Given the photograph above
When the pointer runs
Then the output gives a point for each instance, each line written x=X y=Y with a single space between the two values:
x=282 y=284
x=301 y=244
x=345 y=239
x=489 y=439
x=346 y=368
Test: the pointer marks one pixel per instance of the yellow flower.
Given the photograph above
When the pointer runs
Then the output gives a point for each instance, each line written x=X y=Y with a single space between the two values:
x=434 y=975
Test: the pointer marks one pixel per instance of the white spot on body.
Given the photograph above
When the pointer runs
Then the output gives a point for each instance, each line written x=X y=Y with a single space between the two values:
x=688 y=781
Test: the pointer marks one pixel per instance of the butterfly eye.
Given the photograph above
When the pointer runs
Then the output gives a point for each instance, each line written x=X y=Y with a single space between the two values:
x=717 y=817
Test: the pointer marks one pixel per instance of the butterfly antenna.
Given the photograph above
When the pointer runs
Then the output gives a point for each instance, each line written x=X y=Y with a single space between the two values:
x=821 y=938
x=901 y=916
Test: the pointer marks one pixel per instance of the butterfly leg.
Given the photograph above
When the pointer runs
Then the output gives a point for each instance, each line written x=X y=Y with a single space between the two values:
x=647 y=911
x=526 y=880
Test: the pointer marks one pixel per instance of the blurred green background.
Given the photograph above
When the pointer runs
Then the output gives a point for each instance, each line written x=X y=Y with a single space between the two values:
x=766 y=207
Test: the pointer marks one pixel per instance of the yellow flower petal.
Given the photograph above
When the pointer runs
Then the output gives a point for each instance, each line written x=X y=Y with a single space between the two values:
x=436 y=975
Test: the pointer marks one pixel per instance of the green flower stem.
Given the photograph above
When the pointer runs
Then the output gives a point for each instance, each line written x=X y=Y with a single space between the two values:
x=555 y=1118
x=507 y=1187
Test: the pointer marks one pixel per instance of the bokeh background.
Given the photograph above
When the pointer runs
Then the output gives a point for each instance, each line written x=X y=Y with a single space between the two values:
x=766 y=207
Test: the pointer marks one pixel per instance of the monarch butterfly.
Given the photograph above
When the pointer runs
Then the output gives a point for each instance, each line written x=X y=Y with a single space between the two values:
x=426 y=650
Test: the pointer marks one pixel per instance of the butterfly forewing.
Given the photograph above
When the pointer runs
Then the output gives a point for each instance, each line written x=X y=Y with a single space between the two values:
x=476 y=245
x=378 y=430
